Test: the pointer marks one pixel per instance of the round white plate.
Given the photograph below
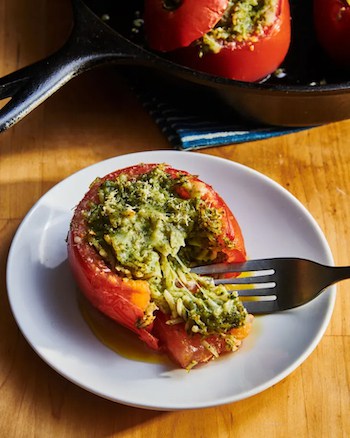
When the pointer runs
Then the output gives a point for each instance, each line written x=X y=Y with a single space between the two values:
x=42 y=293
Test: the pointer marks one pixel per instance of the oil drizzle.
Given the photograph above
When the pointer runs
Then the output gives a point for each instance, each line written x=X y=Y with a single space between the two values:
x=117 y=338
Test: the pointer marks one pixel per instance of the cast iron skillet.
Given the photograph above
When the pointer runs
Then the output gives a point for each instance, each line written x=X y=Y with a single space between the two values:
x=312 y=92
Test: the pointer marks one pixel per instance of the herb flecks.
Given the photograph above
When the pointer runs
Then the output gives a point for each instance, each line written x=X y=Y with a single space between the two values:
x=145 y=228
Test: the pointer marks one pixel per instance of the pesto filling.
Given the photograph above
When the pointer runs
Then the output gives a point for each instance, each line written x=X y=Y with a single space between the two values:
x=243 y=20
x=144 y=229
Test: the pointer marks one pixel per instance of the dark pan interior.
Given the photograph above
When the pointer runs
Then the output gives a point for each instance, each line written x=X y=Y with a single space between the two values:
x=305 y=63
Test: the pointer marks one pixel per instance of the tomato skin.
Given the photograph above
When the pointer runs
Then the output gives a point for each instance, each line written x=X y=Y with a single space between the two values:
x=247 y=61
x=108 y=294
x=185 y=349
x=125 y=300
x=332 y=26
x=231 y=229
x=168 y=30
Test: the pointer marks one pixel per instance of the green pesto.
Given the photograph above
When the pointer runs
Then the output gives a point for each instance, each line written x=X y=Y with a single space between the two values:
x=145 y=230
x=243 y=20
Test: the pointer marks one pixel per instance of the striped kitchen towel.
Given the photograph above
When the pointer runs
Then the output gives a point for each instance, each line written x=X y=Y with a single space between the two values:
x=188 y=126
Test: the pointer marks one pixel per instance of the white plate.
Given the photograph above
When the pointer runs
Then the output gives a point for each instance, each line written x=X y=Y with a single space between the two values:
x=43 y=299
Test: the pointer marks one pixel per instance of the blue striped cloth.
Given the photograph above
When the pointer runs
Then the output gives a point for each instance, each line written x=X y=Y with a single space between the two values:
x=188 y=127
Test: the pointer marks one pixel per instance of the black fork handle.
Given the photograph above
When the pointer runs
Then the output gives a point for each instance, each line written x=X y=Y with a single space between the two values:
x=90 y=44
x=339 y=273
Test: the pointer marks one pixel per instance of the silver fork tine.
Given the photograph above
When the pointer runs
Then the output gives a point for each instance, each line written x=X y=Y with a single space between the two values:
x=259 y=292
x=256 y=279
x=222 y=268
x=261 y=307
x=293 y=281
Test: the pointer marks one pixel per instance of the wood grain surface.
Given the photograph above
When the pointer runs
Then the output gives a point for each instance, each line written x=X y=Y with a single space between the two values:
x=95 y=117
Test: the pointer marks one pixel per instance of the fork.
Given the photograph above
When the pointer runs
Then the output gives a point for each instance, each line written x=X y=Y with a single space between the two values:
x=276 y=284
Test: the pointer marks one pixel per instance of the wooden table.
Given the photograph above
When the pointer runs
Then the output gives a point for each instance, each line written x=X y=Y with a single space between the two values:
x=93 y=118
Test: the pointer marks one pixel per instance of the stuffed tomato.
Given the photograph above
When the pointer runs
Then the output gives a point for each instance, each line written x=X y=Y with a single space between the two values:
x=248 y=42
x=132 y=242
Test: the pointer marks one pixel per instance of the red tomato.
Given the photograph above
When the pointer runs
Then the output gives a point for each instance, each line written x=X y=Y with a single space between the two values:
x=187 y=349
x=168 y=28
x=125 y=300
x=122 y=300
x=245 y=61
x=332 y=26
x=231 y=229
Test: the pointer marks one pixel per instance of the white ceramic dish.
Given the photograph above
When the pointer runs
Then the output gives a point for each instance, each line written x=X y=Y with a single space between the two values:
x=43 y=299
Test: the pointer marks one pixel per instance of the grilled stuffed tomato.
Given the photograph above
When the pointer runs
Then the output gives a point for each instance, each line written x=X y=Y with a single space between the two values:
x=132 y=242
x=248 y=42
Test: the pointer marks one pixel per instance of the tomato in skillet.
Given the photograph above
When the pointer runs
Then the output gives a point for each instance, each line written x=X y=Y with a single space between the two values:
x=249 y=60
x=170 y=24
x=332 y=26
x=125 y=300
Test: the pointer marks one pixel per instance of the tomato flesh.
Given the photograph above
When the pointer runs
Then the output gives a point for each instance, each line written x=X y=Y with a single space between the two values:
x=187 y=350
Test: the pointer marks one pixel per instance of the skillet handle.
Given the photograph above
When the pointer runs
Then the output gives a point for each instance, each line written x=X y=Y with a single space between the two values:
x=90 y=44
